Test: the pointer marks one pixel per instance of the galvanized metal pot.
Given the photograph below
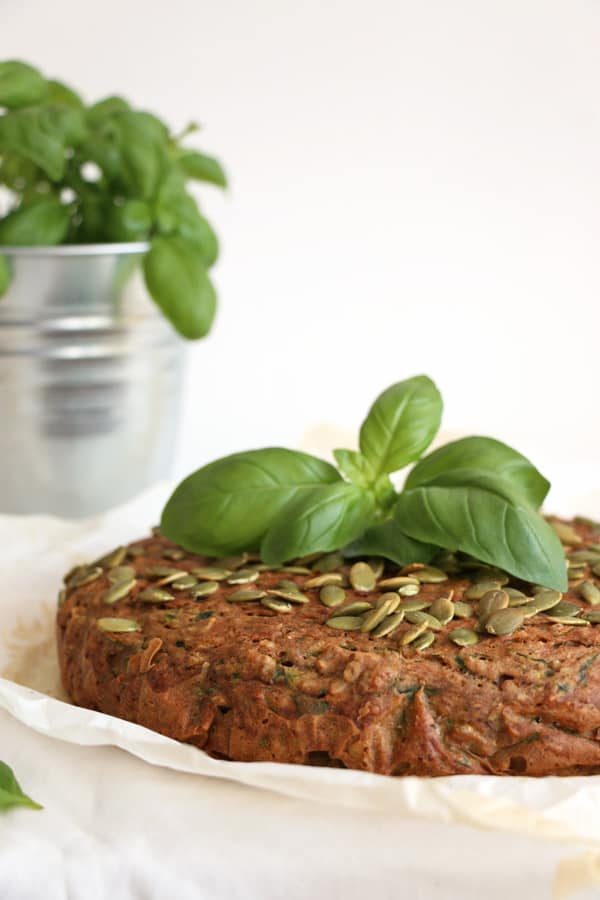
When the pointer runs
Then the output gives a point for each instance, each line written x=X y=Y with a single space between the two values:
x=90 y=378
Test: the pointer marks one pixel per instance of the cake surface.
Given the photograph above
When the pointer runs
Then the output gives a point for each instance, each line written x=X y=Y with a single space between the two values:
x=452 y=672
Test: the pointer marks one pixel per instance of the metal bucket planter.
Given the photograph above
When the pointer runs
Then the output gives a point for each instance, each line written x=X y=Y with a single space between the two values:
x=90 y=379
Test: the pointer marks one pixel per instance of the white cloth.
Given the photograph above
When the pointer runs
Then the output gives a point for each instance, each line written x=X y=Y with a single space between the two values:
x=116 y=827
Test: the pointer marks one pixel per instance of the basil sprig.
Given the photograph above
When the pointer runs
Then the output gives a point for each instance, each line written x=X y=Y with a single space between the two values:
x=11 y=794
x=476 y=495
x=48 y=138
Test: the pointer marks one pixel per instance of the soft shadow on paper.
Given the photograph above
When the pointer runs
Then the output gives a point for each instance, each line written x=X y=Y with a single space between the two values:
x=32 y=659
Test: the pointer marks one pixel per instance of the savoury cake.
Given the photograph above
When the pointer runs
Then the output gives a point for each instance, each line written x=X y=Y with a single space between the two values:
x=449 y=668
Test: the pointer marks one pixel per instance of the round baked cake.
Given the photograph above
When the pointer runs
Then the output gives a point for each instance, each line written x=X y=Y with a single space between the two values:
x=452 y=668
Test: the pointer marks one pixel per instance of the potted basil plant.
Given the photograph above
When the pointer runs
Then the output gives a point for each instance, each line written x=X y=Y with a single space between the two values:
x=104 y=268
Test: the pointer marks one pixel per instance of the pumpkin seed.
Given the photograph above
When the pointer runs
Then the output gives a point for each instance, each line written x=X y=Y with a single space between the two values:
x=576 y=574
x=332 y=595
x=568 y=620
x=211 y=573
x=136 y=551
x=390 y=597
x=590 y=592
x=85 y=577
x=431 y=575
x=345 y=623
x=464 y=637
x=529 y=609
x=117 y=625
x=442 y=609
x=307 y=560
x=423 y=641
x=205 y=589
x=286 y=584
x=418 y=618
x=544 y=600
x=120 y=573
x=584 y=556
x=596 y=569
x=413 y=604
x=165 y=572
x=354 y=609
x=174 y=553
x=480 y=588
x=409 y=590
x=155 y=595
x=386 y=606
x=585 y=520
x=504 y=621
x=118 y=591
x=490 y=573
x=362 y=577
x=564 y=608
x=491 y=602
x=328 y=563
x=184 y=584
x=243 y=576
x=114 y=558
x=291 y=596
x=412 y=634
x=389 y=624
x=294 y=570
x=398 y=581
x=462 y=610
x=273 y=603
x=592 y=616
x=62 y=596
x=233 y=562
x=515 y=594
x=245 y=595
x=326 y=578
x=377 y=565
x=566 y=533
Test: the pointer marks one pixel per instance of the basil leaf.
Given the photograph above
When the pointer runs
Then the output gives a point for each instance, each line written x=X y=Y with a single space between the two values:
x=62 y=93
x=354 y=466
x=177 y=281
x=20 y=85
x=4 y=275
x=106 y=108
x=482 y=453
x=11 y=794
x=401 y=424
x=142 y=153
x=203 y=168
x=192 y=226
x=487 y=526
x=44 y=223
x=21 y=133
x=130 y=222
x=387 y=539
x=228 y=506
x=324 y=519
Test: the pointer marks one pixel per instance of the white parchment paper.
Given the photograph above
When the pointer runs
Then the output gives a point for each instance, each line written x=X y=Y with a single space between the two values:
x=36 y=551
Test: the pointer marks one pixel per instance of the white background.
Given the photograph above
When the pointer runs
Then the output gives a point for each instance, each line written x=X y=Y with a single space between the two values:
x=414 y=187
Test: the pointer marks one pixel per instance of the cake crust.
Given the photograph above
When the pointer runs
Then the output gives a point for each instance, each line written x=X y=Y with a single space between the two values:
x=246 y=682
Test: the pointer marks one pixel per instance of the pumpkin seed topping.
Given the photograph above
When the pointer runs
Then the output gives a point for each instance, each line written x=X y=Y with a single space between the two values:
x=354 y=609
x=291 y=596
x=245 y=595
x=211 y=573
x=155 y=595
x=276 y=605
x=165 y=572
x=397 y=581
x=184 y=584
x=322 y=580
x=85 y=576
x=389 y=624
x=431 y=575
x=408 y=590
x=362 y=577
x=387 y=605
x=412 y=634
x=544 y=600
x=462 y=610
x=117 y=625
x=592 y=616
x=480 y=588
x=564 y=608
x=120 y=573
x=504 y=621
x=491 y=602
x=590 y=592
x=242 y=576
x=414 y=603
x=423 y=641
x=569 y=620
x=442 y=609
x=328 y=563
x=566 y=533
x=114 y=558
x=118 y=591
x=205 y=589
x=345 y=623
x=332 y=595
x=464 y=637
x=418 y=618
